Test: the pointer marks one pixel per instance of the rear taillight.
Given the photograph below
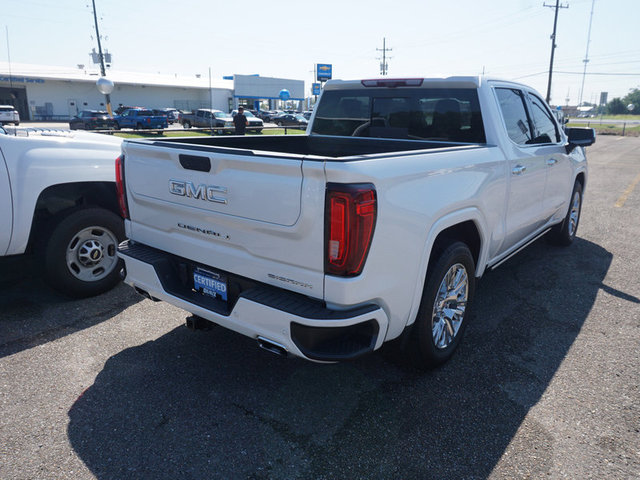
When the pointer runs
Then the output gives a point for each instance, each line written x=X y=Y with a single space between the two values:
x=351 y=211
x=120 y=189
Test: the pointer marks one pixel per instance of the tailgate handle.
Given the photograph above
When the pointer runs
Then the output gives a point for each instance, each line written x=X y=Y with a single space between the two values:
x=193 y=162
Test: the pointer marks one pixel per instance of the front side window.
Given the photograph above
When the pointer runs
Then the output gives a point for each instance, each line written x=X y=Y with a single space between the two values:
x=441 y=114
x=515 y=115
x=545 y=127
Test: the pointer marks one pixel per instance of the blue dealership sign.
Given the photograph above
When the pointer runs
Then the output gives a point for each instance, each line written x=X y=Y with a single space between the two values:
x=323 y=71
x=315 y=89
x=284 y=94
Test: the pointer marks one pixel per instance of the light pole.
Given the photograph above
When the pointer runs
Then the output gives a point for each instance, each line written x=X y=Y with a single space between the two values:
x=105 y=86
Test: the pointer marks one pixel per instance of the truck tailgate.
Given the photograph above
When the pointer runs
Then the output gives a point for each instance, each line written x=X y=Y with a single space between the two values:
x=240 y=213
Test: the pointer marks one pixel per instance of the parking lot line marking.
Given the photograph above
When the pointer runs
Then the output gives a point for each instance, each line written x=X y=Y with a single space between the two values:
x=627 y=192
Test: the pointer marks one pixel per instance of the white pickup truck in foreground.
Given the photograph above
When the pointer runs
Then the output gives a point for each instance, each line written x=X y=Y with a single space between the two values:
x=58 y=200
x=373 y=226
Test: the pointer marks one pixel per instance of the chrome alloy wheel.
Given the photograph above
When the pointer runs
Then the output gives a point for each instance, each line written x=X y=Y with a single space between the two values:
x=574 y=214
x=449 y=306
x=91 y=254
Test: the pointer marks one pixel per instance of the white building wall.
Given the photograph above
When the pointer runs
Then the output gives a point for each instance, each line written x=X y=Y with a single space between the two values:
x=64 y=98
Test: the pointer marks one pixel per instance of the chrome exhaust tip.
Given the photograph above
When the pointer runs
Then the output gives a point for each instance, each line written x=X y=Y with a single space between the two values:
x=271 y=346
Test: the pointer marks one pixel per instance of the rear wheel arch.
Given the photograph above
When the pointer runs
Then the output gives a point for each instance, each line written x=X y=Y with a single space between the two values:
x=56 y=199
x=466 y=232
x=581 y=178
x=465 y=227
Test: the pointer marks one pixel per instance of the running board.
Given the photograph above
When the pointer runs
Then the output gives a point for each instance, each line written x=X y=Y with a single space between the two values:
x=493 y=267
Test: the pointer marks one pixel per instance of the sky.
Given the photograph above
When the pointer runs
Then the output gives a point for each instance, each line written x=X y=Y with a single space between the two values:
x=281 y=38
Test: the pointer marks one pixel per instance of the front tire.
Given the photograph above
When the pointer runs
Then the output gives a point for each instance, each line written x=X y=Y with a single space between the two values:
x=79 y=256
x=444 y=309
x=564 y=233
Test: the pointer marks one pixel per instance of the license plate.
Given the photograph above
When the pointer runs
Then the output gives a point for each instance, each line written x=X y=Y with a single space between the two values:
x=210 y=284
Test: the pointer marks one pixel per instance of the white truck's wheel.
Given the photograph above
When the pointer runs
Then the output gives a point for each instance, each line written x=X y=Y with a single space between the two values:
x=444 y=309
x=79 y=257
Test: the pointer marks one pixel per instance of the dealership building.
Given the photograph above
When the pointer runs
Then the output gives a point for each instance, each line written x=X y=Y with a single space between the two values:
x=57 y=93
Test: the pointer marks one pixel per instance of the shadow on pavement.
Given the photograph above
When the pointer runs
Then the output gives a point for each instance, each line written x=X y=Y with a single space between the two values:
x=211 y=405
x=32 y=314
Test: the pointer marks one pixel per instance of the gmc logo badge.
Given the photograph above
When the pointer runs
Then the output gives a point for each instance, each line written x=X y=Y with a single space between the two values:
x=202 y=192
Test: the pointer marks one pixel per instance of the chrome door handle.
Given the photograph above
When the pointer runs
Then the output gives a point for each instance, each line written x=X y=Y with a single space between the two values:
x=551 y=161
x=518 y=169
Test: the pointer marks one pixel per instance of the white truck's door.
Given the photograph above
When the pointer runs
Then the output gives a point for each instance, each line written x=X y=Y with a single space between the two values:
x=527 y=169
x=6 y=207
x=558 y=163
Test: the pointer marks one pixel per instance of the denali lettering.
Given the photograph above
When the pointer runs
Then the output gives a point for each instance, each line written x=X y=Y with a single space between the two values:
x=202 y=192
x=289 y=280
x=206 y=231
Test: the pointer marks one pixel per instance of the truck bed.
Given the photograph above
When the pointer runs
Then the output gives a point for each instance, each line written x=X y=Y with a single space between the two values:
x=336 y=148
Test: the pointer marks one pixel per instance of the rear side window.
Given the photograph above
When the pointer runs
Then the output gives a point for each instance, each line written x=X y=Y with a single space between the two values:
x=515 y=116
x=417 y=114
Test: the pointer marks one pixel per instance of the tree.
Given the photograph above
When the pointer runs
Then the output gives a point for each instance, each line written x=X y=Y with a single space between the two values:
x=633 y=97
x=616 y=107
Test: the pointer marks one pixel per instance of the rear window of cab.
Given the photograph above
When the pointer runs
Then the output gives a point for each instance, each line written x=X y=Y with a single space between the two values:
x=441 y=114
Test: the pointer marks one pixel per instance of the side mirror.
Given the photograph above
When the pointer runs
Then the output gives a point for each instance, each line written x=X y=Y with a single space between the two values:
x=580 y=137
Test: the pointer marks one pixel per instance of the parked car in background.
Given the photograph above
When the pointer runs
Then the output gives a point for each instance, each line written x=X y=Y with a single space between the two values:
x=140 y=118
x=307 y=114
x=92 y=120
x=9 y=114
x=207 y=118
x=287 y=120
x=255 y=124
x=122 y=108
x=172 y=114
x=264 y=115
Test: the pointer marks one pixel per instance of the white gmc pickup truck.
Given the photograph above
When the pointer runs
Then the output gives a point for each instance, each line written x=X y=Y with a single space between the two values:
x=58 y=200
x=372 y=227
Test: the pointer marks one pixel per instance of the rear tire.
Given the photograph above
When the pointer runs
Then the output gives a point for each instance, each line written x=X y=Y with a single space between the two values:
x=564 y=233
x=79 y=255
x=186 y=124
x=444 y=309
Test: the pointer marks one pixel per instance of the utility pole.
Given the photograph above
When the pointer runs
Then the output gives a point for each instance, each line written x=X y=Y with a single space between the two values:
x=557 y=6
x=103 y=71
x=384 y=68
x=586 y=55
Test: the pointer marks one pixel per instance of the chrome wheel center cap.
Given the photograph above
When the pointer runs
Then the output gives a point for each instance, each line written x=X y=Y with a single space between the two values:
x=91 y=252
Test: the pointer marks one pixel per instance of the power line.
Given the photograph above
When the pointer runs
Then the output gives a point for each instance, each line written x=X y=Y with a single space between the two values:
x=586 y=55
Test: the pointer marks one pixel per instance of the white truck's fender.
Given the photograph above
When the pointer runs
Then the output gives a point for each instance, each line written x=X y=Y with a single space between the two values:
x=6 y=207
x=472 y=214
x=35 y=163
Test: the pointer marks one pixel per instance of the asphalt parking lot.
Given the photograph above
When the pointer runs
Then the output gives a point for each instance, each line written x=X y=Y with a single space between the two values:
x=546 y=382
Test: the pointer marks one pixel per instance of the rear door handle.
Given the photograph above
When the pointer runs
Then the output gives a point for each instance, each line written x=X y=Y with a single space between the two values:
x=551 y=161
x=518 y=169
